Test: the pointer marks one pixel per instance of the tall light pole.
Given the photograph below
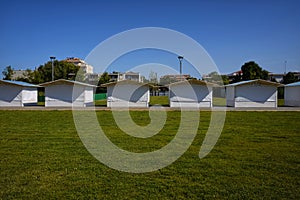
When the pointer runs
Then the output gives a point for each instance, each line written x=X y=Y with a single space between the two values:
x=285 y=67
x=52 y=58
x=180 y=58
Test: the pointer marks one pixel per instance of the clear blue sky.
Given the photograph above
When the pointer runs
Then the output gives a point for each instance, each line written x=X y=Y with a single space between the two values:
x=232 y=31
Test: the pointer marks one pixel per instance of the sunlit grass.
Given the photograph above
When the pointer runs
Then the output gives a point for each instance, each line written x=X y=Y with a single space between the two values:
x=256 y=157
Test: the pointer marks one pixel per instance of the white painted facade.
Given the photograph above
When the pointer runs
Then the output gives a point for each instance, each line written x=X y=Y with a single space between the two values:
x=190 y=94
x=65 y=93
x=253 y=93
x=292 y=94
x=17 y=93
x=127 y=94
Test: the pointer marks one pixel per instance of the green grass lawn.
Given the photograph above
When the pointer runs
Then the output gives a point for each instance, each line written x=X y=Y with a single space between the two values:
x=256 y=157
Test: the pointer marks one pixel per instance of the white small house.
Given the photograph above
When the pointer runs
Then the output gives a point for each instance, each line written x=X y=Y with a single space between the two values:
x=190 y=94
x=252 y=93
x=17 y=93
x=66 y=93
x=292 y=94
x=127 y=93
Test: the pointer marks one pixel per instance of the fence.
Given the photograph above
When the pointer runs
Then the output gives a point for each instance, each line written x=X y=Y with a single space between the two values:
x=100 y=96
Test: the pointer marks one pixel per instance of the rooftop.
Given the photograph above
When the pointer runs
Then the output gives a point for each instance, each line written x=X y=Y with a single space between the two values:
x=293 y=84
x=259 y=81
x=19 y=83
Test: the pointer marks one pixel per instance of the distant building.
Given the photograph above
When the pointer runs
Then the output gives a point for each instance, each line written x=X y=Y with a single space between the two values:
x=17 y=74
x=172 y=78
x=87 y=69
x=235 y=76
x=121 y=76
x=277 y=77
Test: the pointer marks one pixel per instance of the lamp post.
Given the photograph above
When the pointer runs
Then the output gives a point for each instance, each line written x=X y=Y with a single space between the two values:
x=52 y=60
x=285 y=67
x=180 y=58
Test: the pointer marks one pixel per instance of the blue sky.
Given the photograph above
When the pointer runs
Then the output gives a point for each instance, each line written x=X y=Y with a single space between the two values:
x=232 y=31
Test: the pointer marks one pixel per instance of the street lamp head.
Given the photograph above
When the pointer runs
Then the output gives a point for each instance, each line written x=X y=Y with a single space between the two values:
x=180 y=58
x=52 y=57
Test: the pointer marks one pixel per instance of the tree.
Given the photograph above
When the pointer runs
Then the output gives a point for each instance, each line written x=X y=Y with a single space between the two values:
x=7 y=73
x=289 y=78
x=103 y=79
x=225 y=79
x=62 y=70
x=251 y=71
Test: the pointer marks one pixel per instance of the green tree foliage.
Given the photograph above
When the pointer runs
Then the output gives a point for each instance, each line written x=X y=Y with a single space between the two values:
x=7 y=73
x=225 y=80
x=289 y=78
x=62 y=70
x=103 y=79
x=252 y=70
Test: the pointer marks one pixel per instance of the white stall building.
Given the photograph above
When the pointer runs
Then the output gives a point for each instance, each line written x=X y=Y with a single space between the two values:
x=190 y=94
x=66 y=93
x=252 y=93
x=127 y=93
x=292 y=94
x=17 y=93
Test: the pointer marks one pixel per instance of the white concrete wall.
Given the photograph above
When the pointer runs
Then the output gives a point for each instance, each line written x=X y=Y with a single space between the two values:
x=292 y=96
x=255 y=96
x=190 y=95
x=10 y=95
x=190 y=104
x=230 y=94
x=124 y=95
x=63 y=95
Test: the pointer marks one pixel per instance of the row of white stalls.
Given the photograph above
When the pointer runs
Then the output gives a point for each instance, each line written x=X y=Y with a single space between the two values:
x=58 y=93
x=192 y=93
x=197 y=94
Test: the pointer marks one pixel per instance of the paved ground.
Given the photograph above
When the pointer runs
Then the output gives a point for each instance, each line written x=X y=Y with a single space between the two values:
x=155 y=108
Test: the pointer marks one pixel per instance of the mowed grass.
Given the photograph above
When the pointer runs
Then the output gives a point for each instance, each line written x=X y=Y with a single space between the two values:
x=256 y=157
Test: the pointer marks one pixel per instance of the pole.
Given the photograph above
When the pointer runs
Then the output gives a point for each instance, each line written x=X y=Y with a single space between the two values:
x=180 y=63
x=52 y=60
x=285 y=67
x=180 y=70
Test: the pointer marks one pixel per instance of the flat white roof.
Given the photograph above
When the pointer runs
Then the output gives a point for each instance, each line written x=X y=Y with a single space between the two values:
x=68 y=82
x=260 y=81
x=19 y=83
